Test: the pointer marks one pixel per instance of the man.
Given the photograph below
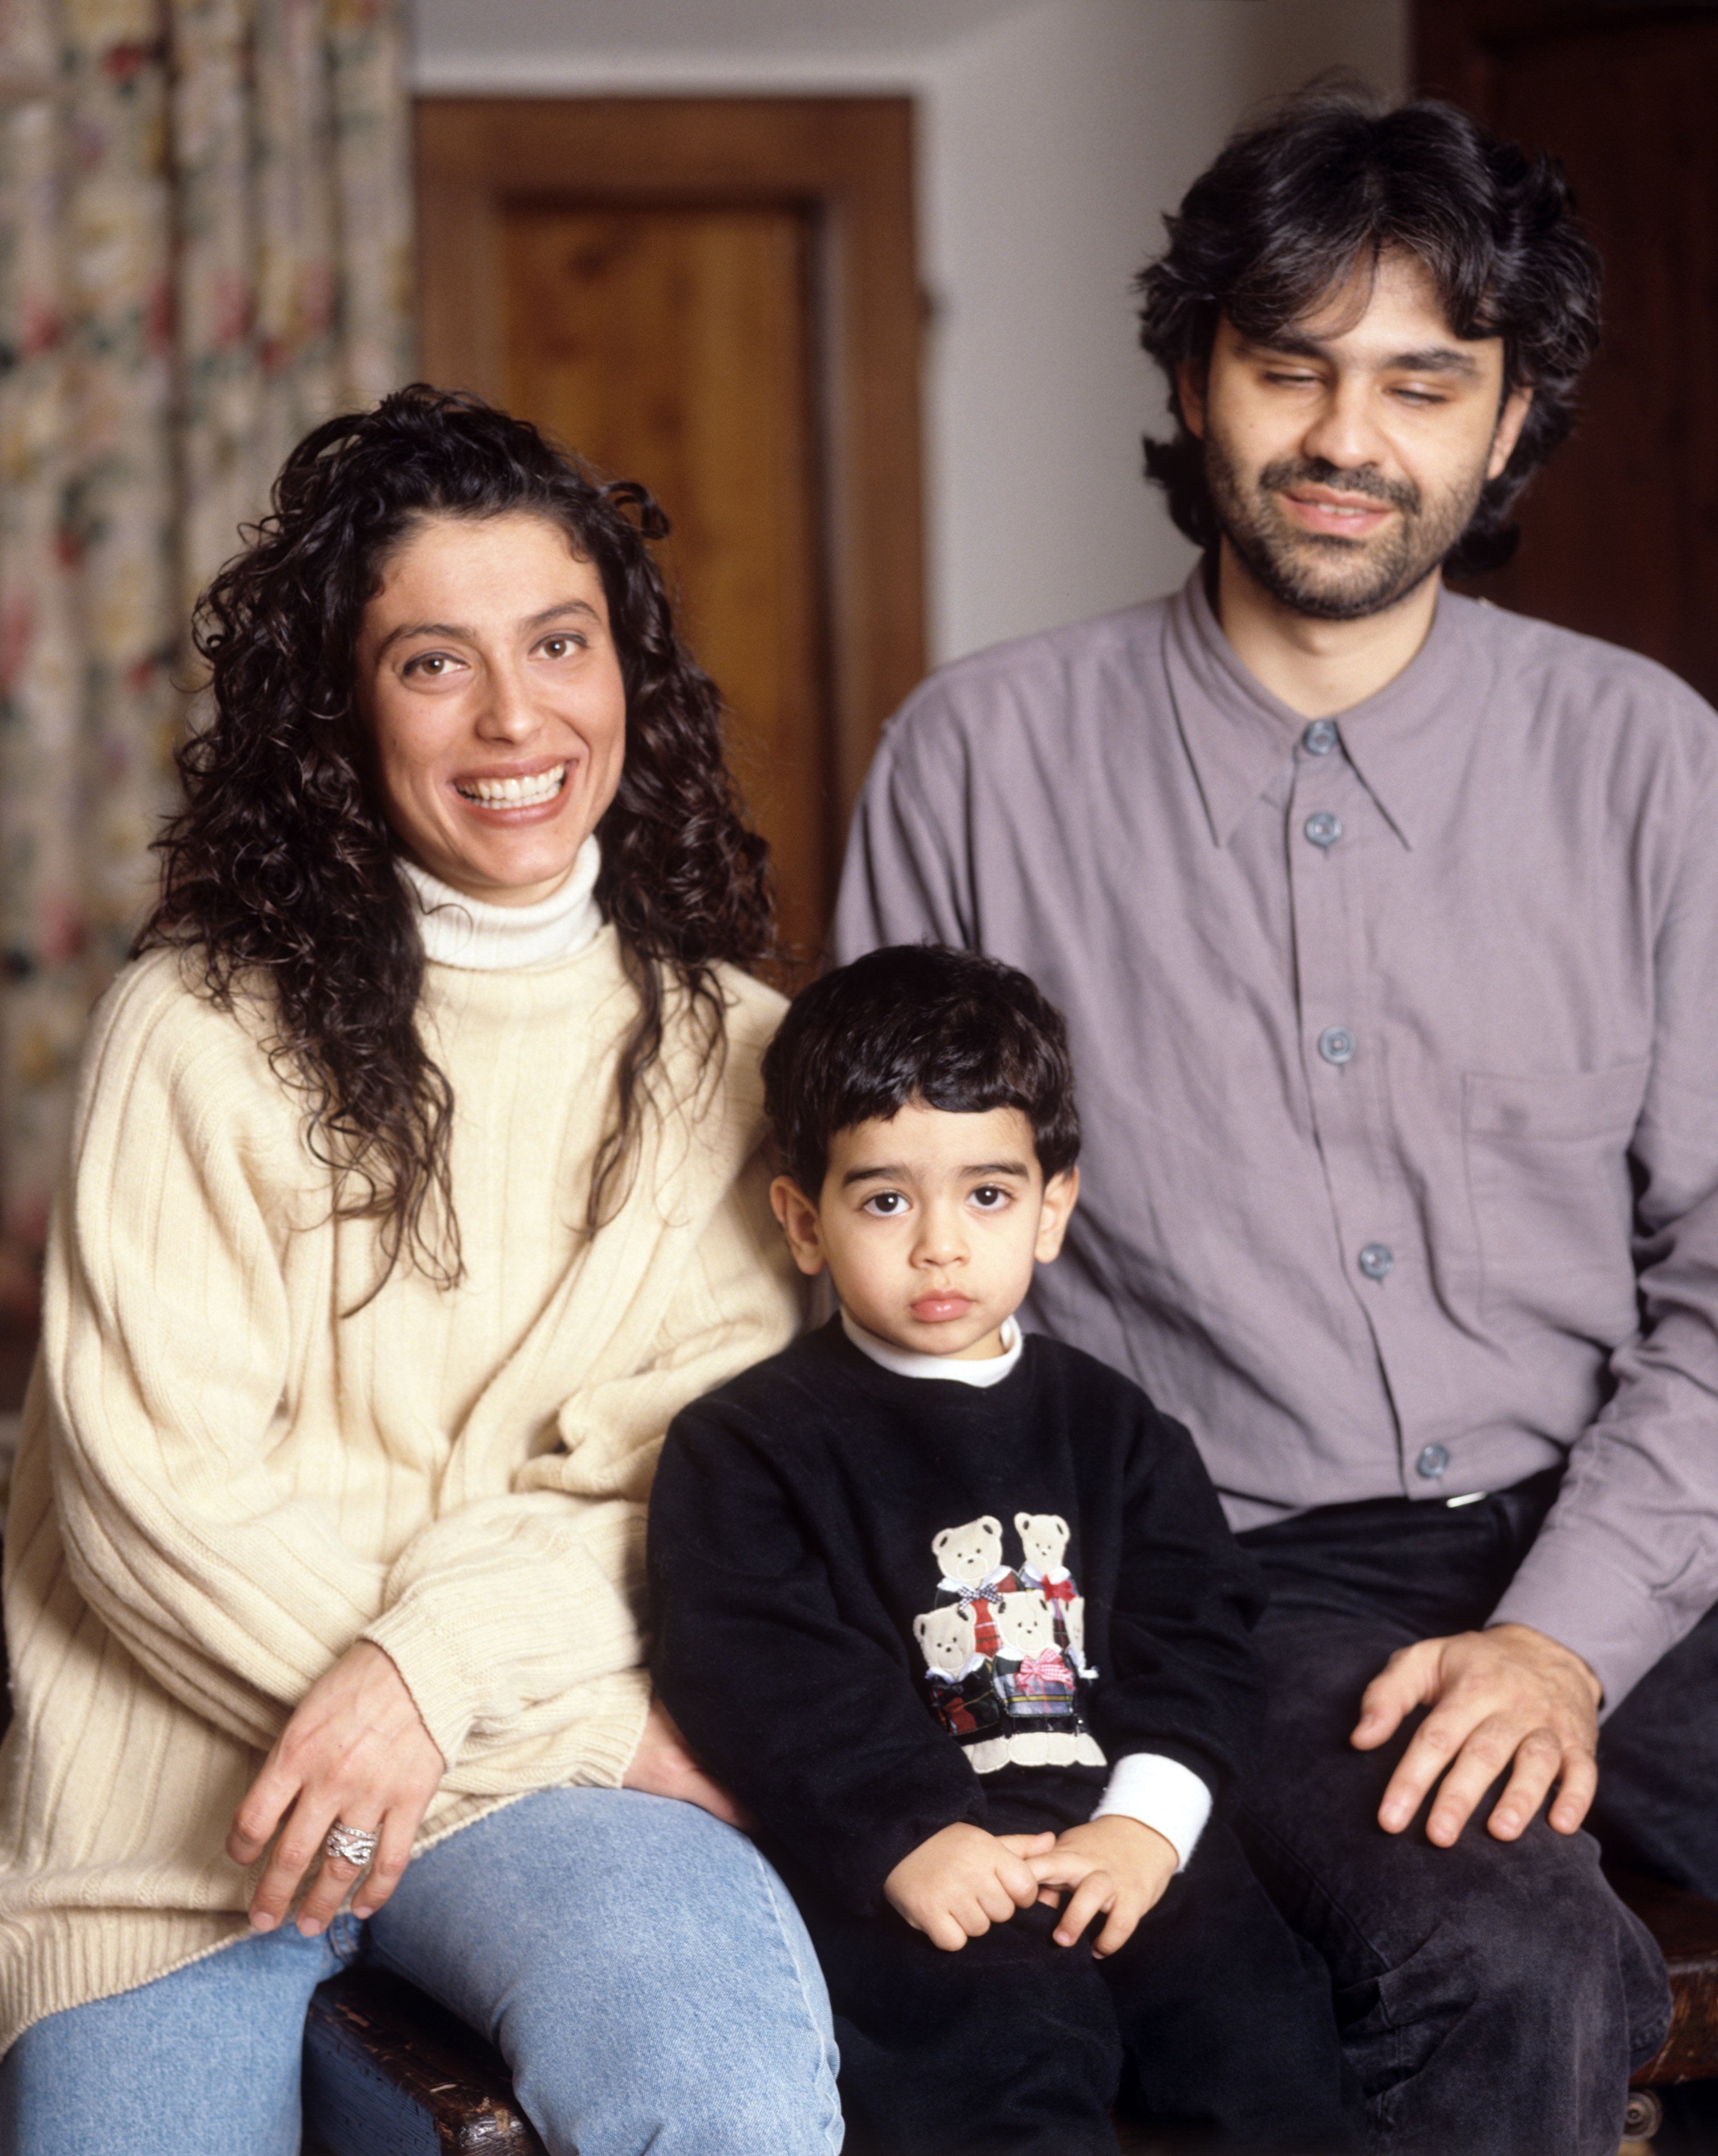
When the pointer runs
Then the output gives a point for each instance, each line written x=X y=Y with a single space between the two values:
x=1387 y=925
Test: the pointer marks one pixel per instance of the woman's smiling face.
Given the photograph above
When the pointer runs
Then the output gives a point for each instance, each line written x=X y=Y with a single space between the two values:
x=488 y=677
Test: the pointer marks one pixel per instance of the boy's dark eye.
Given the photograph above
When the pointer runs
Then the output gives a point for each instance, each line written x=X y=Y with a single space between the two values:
x=887 y=1203
x=989 y=1196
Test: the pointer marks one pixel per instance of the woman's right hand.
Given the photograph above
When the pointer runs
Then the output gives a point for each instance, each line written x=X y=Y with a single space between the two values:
x=663 y=1767
x=355 y=1750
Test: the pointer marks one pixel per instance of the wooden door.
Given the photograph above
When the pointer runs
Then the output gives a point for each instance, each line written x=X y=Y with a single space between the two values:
x=1620 y=530
x=716 y=297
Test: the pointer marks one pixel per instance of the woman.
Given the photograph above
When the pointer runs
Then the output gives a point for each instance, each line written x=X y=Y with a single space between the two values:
x=415 y=1187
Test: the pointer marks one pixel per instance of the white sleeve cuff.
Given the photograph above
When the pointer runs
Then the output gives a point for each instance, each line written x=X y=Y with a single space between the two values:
x=1162 y=1794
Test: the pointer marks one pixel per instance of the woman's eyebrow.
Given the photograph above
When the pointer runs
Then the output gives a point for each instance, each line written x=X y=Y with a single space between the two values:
x=420 y=629
x=561 y=607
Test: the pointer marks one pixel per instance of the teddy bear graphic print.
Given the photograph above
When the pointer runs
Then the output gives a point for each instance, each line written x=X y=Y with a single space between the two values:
x=1004 y=1645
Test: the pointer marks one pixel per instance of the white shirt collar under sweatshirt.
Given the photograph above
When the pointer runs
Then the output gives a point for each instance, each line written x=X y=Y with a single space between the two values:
x=908 y=1363
x=482 y=938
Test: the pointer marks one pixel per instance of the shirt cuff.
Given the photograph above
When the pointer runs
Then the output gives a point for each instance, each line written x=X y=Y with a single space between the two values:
x=1567 y=1591
x=1161 y=1794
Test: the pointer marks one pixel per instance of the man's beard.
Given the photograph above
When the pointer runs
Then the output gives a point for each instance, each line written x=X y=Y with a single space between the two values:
x=1323 y=574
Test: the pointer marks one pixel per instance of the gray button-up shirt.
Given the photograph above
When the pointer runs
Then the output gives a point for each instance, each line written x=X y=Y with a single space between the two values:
x=1398 y=1054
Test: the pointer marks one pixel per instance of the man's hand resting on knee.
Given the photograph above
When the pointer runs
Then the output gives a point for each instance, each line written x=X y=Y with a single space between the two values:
x=1506 y=1695
x=956 y=1884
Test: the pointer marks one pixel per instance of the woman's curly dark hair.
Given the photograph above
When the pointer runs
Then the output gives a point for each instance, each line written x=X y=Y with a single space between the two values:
x=280 y=871
x=1329 y=178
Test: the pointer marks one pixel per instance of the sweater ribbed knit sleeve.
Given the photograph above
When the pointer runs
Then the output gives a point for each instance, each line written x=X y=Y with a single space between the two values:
x=165 y=1348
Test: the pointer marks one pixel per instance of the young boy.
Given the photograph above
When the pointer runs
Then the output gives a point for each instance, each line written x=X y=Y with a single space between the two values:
x=955 y=1614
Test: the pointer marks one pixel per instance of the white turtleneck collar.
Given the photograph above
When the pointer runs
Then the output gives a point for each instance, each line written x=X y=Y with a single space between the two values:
x=909 y=1362
x=482 y=938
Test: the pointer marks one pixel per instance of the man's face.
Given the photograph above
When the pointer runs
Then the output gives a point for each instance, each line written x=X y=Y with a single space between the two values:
x=1345 y=457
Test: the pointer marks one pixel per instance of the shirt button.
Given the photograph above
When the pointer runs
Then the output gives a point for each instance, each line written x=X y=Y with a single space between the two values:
x=1336 y=1043
x=1320 y=738
x=1433 y=1461
x=1323 y=829
x=1376 y=1260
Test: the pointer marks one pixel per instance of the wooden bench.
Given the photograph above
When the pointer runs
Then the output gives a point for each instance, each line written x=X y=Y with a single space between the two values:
x=1686 y=1928
x=388 y=2072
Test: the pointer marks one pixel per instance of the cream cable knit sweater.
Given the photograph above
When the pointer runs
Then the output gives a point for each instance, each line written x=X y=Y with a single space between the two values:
x=223 y=1483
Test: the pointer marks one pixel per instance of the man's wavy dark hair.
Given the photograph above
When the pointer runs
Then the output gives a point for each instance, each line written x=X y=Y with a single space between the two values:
x=918 y=1022
x=1329 y=178
x=280 y=871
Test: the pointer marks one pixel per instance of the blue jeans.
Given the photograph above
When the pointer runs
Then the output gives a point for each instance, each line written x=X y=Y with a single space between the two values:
x=640 y=1967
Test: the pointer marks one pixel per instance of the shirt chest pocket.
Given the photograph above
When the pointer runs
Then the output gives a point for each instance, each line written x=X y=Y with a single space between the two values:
x=1547 y=1169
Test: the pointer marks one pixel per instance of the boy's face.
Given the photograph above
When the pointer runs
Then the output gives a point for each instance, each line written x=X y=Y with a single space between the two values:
x=930 y=1224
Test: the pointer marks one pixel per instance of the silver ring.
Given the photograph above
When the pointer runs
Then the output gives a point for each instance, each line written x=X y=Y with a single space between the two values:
x=355 y=1844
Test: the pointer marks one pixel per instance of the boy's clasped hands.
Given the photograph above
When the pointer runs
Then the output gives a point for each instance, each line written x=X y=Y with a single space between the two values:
x=954 y=1887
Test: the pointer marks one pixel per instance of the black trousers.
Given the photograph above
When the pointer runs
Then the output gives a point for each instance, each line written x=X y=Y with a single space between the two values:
x=1214 y=2021
x=1494 y=1997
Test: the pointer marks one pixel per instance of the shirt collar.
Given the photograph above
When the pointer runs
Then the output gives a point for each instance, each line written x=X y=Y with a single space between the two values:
x=481 y=938
x=908 y=1363
x=1239 y=736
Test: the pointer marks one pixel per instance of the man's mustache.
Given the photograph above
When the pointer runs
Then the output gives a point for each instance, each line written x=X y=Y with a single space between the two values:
x=1313 y=471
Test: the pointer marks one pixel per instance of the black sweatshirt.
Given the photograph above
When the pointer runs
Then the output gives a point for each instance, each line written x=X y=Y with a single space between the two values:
x=855 y=1582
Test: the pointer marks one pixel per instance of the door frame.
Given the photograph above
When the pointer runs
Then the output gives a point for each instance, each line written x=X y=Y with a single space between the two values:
x=848 y=162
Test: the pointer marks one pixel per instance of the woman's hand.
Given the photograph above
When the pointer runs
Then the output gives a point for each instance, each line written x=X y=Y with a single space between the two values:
x=357 y=1751
x=663 y=1767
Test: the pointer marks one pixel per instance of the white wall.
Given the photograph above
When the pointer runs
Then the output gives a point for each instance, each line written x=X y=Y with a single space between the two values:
x=1053 y=135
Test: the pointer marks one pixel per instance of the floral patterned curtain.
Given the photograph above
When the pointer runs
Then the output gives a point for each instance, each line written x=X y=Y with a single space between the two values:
x=204 y=248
